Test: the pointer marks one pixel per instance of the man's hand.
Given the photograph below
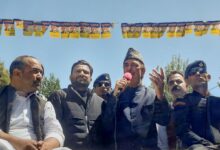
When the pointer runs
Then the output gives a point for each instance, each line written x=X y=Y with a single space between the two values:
x=19 y=143
x=120 y=86
x=158 y=82
x=48 y=144
x=24 y=144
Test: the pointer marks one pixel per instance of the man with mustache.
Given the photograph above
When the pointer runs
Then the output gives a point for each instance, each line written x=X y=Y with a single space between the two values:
x=177 y=87
x=197 y=115
x=27 y=120
x=79 y=110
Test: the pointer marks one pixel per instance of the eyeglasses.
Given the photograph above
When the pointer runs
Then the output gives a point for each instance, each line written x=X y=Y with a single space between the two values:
x=105 y=84
x=193 y=71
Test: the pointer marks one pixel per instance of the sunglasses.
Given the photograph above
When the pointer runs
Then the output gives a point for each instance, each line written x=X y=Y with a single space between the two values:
x=193 y=71
x=105 y=84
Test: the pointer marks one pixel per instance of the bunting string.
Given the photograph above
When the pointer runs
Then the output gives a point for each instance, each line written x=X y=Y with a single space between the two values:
x=63 y=30
x=170 y=30
x=92 y=30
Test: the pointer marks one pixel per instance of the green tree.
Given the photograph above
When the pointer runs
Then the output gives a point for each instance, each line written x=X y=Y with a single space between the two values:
x=177 y=63
x=49 y=85
x=4 y=75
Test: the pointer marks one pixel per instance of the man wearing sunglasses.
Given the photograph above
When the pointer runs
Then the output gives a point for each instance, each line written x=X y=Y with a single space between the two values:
x=102 y=85
x=197 y=115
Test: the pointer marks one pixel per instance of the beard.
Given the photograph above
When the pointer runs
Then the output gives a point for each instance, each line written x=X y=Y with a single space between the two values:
x=37 y=84
x=80 y=84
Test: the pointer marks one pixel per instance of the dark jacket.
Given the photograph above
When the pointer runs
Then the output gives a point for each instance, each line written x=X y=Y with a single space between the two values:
x=7 y=96
x=79 y=118
x=137 y=112
x=197 y=119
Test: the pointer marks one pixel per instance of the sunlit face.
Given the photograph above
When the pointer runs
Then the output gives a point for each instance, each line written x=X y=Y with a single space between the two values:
x=102 y=88
x=31 y=76
x=177 y=85
x=81 y=75
x=198 y=79
x=137 y=70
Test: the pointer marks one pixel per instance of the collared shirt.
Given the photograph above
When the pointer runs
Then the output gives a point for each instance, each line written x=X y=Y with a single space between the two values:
x=162 y=139
x=21 y=124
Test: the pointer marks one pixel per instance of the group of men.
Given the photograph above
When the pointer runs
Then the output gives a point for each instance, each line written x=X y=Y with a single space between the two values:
x=123 y=118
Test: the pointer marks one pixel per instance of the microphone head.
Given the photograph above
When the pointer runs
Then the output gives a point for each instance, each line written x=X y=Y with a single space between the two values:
x=127 y=76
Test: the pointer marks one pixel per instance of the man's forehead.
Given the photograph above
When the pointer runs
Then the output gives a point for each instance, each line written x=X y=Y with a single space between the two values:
x=175 y=77
x=130 y=61
x=33 y=63
x=81 y=66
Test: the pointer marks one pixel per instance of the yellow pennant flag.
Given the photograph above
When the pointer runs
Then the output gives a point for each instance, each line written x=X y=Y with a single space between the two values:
x=74 y=30
x=162 y=29
x=137 y=30
x=146 y=30
x=155 y=31
x=64 y=29
x=37 y=29
x=28 y=28
x=134 y=30
x=125 y=28
x=199 y=28
x=206 y=28
x=40 y=28
x=189 y=27
x=180 y=30
x=130 y=30
x=19 y=23
x=158 y=30
x=171 y=30
x=45 y=25
x=106 y=30
x=85 y=29
x=215 y=27
x=55 y=29
x=9 y=27
x=95 y=31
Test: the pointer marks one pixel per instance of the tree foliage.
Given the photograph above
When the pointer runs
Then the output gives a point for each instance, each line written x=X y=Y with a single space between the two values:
x=49 y=85
x=4 y=75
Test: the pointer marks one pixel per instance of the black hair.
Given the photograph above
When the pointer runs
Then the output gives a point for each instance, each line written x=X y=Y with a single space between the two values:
x=172 y=73
x=20 y=63
x=82 y=62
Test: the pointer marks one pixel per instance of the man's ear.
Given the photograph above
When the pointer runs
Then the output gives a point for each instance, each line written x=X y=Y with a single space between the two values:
x=208 y=77
x=17 y=73
x=143 y=71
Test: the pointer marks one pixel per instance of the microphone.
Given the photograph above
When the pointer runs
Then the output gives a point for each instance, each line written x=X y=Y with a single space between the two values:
x=128 y=77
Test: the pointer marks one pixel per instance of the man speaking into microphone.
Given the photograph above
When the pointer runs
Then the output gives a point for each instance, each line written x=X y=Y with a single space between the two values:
x=137 y=108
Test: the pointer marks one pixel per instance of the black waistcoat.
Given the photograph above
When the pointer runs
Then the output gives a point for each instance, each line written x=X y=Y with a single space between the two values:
x=7 y=96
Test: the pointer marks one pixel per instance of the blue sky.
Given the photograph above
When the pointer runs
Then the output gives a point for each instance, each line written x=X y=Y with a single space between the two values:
x=58 y=55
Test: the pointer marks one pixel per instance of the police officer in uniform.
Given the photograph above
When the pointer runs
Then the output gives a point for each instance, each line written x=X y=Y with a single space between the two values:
x=197 y=115
x=102 y=85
